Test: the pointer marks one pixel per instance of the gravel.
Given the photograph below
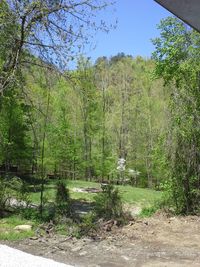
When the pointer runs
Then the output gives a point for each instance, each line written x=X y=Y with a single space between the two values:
x=10 y=257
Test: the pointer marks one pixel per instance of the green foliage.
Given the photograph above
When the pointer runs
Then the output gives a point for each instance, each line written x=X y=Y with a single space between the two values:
x=108 y=204
x=33 y=214
x=14 y=127
x=176 y=56
x=5 y=194
x=13 y=235
x=11 y=188
x=88 y=224
x=78 y=128
x=160 y=162
x=8 y=32
x=30 y=214
x=7 y=231
x=82 y=140
x=63 y=202
x=129 y=194
x=142 y=196
x=78 y=131
x=148 y=211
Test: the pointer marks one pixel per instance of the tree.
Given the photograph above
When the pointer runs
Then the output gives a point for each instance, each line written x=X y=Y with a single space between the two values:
x=15 y=142
x=177 y=52
x=102 y=82
x=89 y=112
x=49 y=30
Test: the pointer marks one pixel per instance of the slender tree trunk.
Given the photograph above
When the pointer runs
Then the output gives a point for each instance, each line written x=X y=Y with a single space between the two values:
x=74 y=157
x=90 y=160
x=85 y=150
x=149 y=142
x=103 y=133
x=43 y=175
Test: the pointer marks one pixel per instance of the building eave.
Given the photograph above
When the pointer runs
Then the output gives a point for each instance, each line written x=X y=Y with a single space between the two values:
x=186 y=10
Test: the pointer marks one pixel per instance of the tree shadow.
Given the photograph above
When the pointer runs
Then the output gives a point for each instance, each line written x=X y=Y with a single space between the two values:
x=81 y=206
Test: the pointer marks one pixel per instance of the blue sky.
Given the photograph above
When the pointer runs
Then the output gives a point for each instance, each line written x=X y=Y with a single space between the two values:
x=137 y=20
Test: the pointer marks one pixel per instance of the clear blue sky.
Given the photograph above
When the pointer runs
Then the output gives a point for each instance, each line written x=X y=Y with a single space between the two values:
x=137 y=20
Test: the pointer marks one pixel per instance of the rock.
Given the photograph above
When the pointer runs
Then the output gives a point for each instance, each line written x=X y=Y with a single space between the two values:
x=76 y=249
x=23 y=227
x=125 y=257
x=83 y=253
x=34 y=238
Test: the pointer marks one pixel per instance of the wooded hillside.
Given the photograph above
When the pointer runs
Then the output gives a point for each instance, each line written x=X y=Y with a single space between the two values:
x=80 y=127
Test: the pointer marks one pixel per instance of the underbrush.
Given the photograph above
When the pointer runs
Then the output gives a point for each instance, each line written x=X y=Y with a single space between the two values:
x=108 y=203
x=148 y=211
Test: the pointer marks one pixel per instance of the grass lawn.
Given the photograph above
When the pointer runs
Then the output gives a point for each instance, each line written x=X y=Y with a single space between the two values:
x=129 y=194
x=142 y=196
x=7 y=231
x=51 y=186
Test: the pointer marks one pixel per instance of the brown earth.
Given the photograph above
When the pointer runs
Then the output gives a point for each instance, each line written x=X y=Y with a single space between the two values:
x=154 y=242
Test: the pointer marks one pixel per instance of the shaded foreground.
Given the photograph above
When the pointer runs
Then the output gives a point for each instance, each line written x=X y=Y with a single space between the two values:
x=157 y=241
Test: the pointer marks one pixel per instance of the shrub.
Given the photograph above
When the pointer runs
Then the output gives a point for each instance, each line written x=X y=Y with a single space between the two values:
x=148 y=211
x=33 y=214
x=11 y=188
x=108 y=204
x=88 y=224
x=63 y=202
x=4 y=195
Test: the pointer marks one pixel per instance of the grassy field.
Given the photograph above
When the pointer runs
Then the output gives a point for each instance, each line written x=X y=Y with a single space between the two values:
x=7 y=231
x=129 y=194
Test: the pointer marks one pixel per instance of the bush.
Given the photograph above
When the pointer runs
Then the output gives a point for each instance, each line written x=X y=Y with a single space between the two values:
x=11 y=188
x=108 y=204
x=88 y=224
x=148 y=211
x=63 y=202
x=4 y=195
x=33 y=214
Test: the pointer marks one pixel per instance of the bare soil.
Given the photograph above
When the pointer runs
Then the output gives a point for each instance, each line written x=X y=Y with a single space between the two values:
x=157 y=241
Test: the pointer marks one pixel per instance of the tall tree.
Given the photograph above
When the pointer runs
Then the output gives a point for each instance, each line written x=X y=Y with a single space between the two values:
x=50 y=30
x=102 y=82
x=89 y=109
x=177 y=53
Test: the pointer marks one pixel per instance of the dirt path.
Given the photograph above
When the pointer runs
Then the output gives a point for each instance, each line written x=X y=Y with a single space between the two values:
x=157 y=241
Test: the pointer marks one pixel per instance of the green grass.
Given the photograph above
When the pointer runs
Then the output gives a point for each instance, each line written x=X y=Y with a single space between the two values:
x=82 y=184
x=129 y=194
x=51 y=186
x=7 y=231
x=133 y=195
x=148 y=211
x=144 y=198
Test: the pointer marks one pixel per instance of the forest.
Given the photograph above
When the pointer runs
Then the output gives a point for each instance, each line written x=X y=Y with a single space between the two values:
x=78 y=129
x=121 y=120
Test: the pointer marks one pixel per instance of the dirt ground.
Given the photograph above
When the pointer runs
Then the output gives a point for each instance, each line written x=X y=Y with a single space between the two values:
x=156 y=241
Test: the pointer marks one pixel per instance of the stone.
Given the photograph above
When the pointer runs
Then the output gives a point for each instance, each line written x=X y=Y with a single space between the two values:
x=83 y=253
x=125 y=257
x=34 y=238
x=23 y=227
x=76 y=249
